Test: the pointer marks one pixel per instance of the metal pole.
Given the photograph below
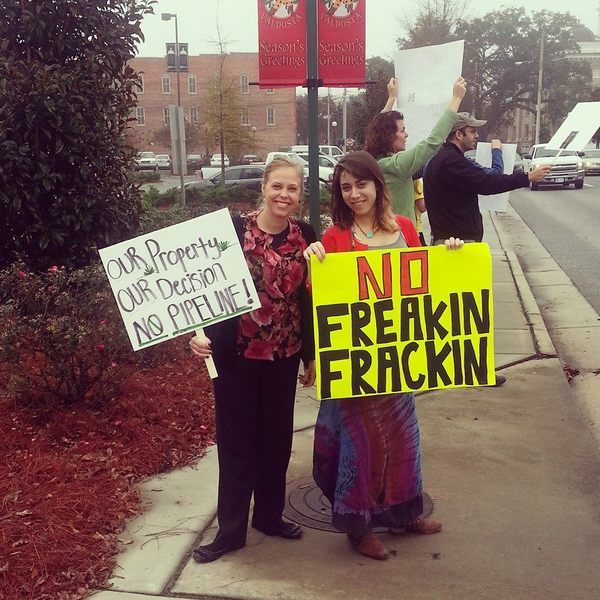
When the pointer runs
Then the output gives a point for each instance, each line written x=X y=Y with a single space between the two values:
x=538 y=106
x=177 y=62
x=312 y=85
x=328 y=117
x=344 y=115
x=179 y=119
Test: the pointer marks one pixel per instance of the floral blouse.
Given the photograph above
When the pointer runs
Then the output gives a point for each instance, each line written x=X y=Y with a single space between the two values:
x=278 y=269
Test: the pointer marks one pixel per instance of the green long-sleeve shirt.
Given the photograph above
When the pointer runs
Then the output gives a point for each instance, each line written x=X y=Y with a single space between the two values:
x=398 y=168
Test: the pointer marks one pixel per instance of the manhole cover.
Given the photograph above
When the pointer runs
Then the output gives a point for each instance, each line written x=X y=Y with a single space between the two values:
x=307 y=506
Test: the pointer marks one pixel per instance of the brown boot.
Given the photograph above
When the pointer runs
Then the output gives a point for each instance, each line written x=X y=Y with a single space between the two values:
x=423 y=526
x=370 y=546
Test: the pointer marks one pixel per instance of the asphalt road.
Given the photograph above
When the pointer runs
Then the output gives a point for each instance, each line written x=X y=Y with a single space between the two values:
x=567 y=222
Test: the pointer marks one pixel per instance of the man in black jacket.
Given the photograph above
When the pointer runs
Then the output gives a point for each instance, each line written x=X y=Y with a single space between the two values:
x=452 y=183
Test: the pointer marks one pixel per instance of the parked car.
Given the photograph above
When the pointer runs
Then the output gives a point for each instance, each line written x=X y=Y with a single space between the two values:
x=332 y=151
x=591 y=162
x=194 y=162
x=566 y=167
x=325 y=172
x=324 y=161
x=163 y=161
x=146 y=161
x=248 y=176
x=249 y=159
x=215 y=160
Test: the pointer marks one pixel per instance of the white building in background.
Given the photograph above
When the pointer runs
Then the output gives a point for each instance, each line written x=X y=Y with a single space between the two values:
x=522 y=131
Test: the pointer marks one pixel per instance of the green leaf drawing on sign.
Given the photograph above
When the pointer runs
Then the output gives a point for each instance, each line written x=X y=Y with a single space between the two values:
x=148 y=271
x=224 y=245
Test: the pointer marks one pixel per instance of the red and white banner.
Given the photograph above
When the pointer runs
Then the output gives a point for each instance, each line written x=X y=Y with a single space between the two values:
x=341 y=25
x=281 y=43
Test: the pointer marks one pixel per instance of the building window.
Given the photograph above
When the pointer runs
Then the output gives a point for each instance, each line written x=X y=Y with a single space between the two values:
x=140 y=86
x=270 y=115
x=270 y=90
x=166 y=116
x=192 y=84
x=194 y=115
x=140 y=115
x=526 y=131
x=166 y=84
x=245 y=86
x=244 y=117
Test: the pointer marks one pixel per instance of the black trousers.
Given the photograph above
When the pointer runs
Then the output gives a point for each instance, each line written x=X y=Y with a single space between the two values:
x=254 y=402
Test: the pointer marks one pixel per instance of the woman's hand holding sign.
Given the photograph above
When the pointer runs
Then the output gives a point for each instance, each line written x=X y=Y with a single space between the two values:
x=454 y=243
x=315 y=249
x=200 y=346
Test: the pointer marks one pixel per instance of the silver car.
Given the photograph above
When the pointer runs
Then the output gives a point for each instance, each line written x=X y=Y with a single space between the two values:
x=591 y=162
x=146 y=161
x=163 y=161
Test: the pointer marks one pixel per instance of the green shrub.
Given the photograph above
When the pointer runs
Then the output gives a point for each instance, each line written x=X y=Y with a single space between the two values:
x=66 y=94
x=142 y=177
x=61 y=335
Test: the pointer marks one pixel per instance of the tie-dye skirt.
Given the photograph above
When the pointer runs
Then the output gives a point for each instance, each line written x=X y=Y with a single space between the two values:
x=367 y=461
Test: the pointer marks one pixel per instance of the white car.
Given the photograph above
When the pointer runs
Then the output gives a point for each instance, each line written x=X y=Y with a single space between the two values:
x=325 y=172
x=163 y=161
x=566 y=166
x=146 y=161
x=332 y=151
x=215 y=160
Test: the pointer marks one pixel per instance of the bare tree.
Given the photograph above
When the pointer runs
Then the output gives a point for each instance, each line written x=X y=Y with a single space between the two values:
x=222 y=110
x=435 y=23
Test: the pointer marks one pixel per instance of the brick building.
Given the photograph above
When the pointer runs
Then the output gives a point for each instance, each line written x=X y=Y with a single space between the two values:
x=270 y=114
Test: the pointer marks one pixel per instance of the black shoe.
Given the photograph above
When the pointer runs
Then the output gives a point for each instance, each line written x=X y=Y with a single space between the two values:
x=213 y=551
x=284 y=529
x=500 y=380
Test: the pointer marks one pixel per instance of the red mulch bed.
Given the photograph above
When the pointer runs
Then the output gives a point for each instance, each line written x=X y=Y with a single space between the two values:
x=67 y=475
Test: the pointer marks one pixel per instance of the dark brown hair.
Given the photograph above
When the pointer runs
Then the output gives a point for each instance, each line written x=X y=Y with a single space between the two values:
x=364 y=167
x=381 y=133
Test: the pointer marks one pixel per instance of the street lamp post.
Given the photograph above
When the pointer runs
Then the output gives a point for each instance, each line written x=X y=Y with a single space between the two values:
x=538 y=106
x=168 y=17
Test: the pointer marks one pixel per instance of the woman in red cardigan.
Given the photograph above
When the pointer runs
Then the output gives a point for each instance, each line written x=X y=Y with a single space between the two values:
x=366 y=450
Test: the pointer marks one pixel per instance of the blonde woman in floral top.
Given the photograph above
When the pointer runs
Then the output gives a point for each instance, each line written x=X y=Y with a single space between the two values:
x=257 y=356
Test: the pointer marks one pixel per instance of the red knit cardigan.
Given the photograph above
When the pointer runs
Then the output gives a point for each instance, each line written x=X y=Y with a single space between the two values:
x=336 y=239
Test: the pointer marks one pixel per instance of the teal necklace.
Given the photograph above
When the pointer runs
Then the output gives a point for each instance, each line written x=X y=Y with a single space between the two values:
x=367 y=234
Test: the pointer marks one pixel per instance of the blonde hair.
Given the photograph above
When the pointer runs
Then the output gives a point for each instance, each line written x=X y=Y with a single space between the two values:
x=285 y=162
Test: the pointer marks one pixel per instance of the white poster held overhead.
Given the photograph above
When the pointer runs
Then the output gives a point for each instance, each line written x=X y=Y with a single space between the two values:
x=578 y=128
x=483 y=156
x=425 y=77
x=180 y=279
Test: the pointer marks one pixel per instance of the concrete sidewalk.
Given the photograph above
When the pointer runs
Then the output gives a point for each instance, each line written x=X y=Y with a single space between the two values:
x=513 y=473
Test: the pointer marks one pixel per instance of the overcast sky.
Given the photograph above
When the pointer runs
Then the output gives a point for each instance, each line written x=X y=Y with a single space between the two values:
x=238 y=21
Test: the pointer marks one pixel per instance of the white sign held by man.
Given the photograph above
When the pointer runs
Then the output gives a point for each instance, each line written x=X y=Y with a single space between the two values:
x=483 y=156
x=179 y=279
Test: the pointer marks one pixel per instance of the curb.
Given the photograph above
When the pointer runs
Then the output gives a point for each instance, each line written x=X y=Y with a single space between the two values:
x=541 y=338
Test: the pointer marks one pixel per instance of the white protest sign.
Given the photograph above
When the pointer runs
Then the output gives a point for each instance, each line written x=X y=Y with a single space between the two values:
x=483 y=156
x=577 y=129
x=425 y=77
x=179 y=279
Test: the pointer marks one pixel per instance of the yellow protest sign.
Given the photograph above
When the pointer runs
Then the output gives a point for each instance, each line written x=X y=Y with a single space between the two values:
x=402 y=320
